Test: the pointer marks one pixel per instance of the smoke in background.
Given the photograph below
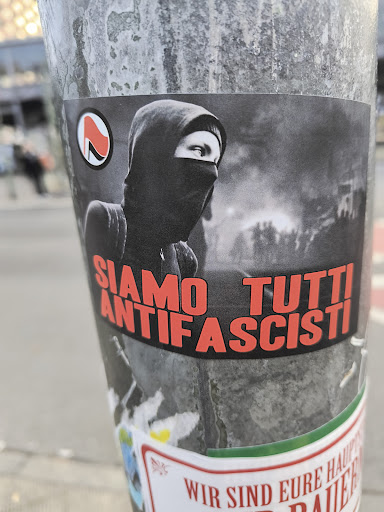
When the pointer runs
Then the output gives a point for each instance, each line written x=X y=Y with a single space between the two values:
x=293 y=168
x=291 y=161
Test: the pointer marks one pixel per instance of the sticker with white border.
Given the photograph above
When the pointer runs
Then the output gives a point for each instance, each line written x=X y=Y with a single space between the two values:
x=94 y=138
x=323 y=476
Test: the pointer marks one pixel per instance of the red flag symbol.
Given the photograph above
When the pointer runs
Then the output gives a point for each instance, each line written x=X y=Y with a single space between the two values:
x=97 y=141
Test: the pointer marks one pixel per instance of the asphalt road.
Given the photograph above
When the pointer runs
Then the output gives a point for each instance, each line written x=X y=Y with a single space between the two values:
x=53 y=393
x=52 y=378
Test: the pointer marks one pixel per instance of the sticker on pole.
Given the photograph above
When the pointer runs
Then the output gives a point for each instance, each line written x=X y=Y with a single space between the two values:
x=321 y=476
x=94 y=138
x=223 y=226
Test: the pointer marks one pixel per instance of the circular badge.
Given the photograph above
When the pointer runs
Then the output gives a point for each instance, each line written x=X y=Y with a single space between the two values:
x=94 y=138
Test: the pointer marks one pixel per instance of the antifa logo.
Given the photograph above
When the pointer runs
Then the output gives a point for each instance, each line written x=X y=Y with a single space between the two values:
x=94 y=138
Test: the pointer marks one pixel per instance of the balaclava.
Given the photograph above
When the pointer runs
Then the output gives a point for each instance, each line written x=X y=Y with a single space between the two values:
x=164 y=196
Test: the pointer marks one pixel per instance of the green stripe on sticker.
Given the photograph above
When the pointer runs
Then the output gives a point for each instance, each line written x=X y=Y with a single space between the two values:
x=290 y=444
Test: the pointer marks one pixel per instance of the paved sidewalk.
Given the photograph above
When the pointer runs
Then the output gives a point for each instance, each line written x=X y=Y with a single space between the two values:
x=37 y=483
x=36 y=203
x=19 y=192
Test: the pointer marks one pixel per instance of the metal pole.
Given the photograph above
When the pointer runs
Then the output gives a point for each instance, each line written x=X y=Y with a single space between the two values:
x=274 y=47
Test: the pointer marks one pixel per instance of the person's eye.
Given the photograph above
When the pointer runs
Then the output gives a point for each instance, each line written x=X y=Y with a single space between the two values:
x=199 y=150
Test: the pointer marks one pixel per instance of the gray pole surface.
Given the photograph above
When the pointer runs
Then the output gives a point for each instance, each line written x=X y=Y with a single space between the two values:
x=142 y=47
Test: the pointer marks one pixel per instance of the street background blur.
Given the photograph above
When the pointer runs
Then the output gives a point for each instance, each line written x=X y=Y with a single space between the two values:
x=57 y=451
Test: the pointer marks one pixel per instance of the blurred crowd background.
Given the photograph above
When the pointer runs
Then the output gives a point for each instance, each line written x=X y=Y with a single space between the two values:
x=30 y=153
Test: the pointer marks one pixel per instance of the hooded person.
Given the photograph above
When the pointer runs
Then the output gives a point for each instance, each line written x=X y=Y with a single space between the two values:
x=174 y=150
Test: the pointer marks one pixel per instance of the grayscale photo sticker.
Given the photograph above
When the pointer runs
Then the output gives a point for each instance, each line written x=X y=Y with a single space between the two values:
x=223 y=226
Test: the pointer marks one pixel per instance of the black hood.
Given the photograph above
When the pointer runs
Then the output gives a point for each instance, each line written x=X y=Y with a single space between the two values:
x=151 y=197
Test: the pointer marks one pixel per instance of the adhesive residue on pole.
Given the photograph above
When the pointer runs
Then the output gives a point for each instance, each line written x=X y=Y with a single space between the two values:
x=319 y=476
